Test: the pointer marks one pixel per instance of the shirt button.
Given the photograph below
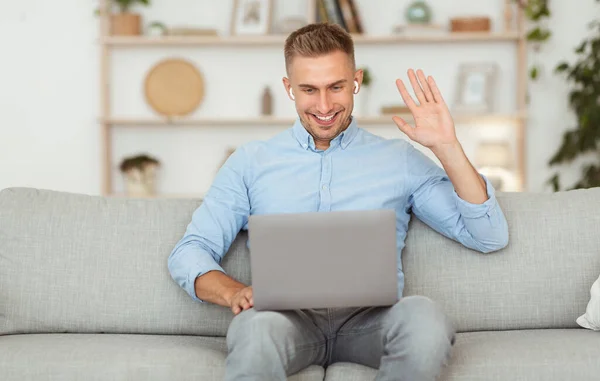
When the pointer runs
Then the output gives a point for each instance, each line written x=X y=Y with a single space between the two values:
x=324 y=187
x=305 y=145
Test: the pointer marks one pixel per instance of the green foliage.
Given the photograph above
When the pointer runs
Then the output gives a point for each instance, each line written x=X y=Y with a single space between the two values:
x=533 y=72
x=535 y=11
x=584 y=99
x=367 y=78
x=125 y=5
x=538 y=34
x=137 y=162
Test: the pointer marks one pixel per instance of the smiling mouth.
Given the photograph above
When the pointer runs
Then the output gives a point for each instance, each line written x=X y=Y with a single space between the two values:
x=325 y=120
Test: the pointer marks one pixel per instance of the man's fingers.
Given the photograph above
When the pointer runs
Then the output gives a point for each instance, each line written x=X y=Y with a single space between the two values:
x=242 y=305
x=408 y=101
x=436 y=92
x=242 y=301
x=416 y=87
x=250 y=296
x=403 y=126
x=425 y=85
x=245 y=303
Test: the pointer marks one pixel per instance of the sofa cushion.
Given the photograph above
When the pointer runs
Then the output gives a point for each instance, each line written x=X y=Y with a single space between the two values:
x=540 y=280
x=563 y=354
x=99 y=357
x=591 y=318
x=79 y=263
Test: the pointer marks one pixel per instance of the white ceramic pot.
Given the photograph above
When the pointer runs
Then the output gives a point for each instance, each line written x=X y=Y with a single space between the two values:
x=141 y=182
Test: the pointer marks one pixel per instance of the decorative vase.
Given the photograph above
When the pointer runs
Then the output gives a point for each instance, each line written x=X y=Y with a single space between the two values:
x=125 y=24
x=266 y=102
x=140 y=182
x=418 y=12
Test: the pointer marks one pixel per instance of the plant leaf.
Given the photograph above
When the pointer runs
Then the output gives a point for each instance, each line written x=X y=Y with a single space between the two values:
x=581 y=48
x=538 y=34
x=533 y=73
x=561 y=67
x=554 y=181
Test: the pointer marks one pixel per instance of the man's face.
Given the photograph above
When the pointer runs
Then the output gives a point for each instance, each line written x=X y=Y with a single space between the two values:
x=323 y=90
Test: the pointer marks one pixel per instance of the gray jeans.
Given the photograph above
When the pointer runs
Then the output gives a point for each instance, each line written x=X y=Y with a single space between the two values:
x=410 y=340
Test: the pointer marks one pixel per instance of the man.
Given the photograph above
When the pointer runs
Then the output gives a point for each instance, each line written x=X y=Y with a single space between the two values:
x=325 y=162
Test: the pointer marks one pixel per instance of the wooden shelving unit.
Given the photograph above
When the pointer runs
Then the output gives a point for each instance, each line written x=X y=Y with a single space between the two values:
x=108 y=43
x=278 y=40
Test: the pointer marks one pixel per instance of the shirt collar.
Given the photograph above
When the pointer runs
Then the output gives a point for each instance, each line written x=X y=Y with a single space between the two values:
x=306 y=140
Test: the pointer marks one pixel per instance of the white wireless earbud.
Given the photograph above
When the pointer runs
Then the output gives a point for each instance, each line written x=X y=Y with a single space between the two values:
x=355 y=87
x=292 y=93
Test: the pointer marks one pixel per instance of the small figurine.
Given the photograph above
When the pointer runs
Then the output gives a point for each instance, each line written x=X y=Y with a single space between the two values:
x=418 y=12
x=267 y=102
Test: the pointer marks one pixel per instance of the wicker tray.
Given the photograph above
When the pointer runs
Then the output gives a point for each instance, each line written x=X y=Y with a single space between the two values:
x=174 y=87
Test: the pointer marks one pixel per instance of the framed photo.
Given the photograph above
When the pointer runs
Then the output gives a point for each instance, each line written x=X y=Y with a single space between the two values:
x=251 y=17
x=476 y=88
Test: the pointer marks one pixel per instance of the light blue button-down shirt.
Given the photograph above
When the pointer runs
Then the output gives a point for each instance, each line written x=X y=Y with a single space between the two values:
x=360 y=170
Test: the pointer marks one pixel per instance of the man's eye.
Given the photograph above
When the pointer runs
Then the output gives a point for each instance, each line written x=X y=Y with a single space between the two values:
x=336 y=88
x=308 y=91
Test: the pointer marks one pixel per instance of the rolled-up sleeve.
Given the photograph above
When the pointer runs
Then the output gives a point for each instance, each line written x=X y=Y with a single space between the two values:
x=484 y=223
x=213 y=227
x=433 y=199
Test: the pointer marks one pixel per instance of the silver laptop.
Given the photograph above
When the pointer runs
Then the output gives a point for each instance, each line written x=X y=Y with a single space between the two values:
x=323 y=259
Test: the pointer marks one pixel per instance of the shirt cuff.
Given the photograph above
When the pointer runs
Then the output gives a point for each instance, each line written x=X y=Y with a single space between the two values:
x=195 y=273
x=470 y=210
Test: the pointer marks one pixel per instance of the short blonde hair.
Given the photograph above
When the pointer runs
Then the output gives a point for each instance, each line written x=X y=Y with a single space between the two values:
x=318 y=39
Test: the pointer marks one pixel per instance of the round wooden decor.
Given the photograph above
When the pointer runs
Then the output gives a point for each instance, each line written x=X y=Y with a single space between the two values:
x=174 y=87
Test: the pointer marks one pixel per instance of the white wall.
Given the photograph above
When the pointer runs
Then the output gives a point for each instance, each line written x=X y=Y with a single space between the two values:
x=49 y=99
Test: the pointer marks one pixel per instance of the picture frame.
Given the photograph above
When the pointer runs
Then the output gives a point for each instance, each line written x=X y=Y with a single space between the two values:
x=251 y=17
x=476 y=86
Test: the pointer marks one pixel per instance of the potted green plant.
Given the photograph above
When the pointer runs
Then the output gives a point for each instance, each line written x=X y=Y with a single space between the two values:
x=139 y=173
x=123 y=21
x=584 y=99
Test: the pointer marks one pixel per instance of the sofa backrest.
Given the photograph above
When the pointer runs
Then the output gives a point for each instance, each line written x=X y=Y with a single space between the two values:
x=79 y=263
x=542 y=279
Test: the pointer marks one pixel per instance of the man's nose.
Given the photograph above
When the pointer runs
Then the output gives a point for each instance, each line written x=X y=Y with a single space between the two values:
x=325 y=104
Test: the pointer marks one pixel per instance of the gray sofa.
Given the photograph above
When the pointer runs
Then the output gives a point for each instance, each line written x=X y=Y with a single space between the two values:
x=85 y=293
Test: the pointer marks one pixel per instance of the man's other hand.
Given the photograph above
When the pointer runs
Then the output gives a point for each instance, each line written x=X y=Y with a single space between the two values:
x=241 y=300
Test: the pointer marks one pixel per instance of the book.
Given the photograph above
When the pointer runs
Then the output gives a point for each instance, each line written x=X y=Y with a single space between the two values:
x=356 y=15
x=346 y=11
x=322 y=11
x=334 y=14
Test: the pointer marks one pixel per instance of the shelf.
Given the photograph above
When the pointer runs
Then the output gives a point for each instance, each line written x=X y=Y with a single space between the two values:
x=283 y=121
x=277 y=40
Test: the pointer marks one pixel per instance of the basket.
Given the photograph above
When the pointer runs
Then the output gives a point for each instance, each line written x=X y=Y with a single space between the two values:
x=174 y=87
x=470 y=24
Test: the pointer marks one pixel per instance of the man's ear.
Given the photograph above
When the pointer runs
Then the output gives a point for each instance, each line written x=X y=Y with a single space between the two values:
x=288 y=88
x=358 y=77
